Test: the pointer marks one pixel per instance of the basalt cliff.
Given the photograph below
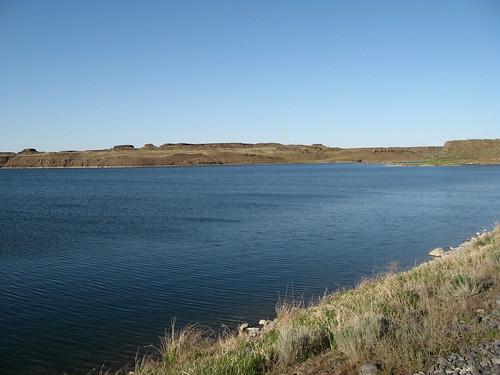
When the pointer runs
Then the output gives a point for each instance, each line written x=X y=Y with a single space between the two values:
x=483 y=151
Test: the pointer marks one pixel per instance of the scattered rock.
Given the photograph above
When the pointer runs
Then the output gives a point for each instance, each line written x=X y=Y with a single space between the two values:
x=265 y=326
x=252 y=331
x=442 y=361
x=245 y=329
x=368 y=369
x=29 y=151
x=437 y=252
x=123 y=147
x=482 y=359
x=242 y=327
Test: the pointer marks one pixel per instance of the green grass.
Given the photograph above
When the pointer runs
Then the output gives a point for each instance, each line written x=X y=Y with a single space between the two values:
x=400 y=320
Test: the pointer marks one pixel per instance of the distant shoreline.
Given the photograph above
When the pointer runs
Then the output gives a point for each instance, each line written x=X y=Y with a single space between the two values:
x=467 y=152
x=249 y=165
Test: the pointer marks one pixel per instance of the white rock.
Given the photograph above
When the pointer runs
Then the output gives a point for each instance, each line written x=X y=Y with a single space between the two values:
x=437 y=252
x=242 y=328
x=252 y=331
x=368 y=369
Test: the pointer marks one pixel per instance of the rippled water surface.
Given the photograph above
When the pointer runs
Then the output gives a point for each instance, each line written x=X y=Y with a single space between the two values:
x=95 y=263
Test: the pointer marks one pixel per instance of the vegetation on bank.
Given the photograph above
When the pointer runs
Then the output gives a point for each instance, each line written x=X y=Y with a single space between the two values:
x=401 y=321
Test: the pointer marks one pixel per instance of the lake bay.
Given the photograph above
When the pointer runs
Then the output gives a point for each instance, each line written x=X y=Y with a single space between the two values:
x=95 y=263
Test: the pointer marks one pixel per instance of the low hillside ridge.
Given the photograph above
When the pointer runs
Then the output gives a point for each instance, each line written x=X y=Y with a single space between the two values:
x=453 y=152
x=487 y=150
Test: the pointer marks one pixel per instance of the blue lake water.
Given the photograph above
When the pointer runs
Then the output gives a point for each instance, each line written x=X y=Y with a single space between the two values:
x=95 y=263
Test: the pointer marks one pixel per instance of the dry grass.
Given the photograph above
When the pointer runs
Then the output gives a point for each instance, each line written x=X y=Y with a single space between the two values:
x=400 y=320
x=356 y=337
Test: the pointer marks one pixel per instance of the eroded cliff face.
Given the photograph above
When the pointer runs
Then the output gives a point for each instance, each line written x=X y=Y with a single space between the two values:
x=5 y=156
x=470 y=151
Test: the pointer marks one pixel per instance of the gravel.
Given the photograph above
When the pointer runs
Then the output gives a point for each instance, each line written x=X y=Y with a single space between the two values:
x=484 y=358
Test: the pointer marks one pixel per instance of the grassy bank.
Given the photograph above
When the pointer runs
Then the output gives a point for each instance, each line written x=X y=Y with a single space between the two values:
x=401 y=321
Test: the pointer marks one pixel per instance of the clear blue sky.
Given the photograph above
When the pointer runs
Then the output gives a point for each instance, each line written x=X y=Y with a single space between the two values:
x=92 y=74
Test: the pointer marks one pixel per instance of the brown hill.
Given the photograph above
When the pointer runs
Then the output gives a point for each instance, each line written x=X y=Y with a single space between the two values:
x=470 y=151
x=474 y=150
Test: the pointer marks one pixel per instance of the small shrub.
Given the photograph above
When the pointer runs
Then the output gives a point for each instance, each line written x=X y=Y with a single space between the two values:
x=357 y=337
x=462 y=287
x=291 y=343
